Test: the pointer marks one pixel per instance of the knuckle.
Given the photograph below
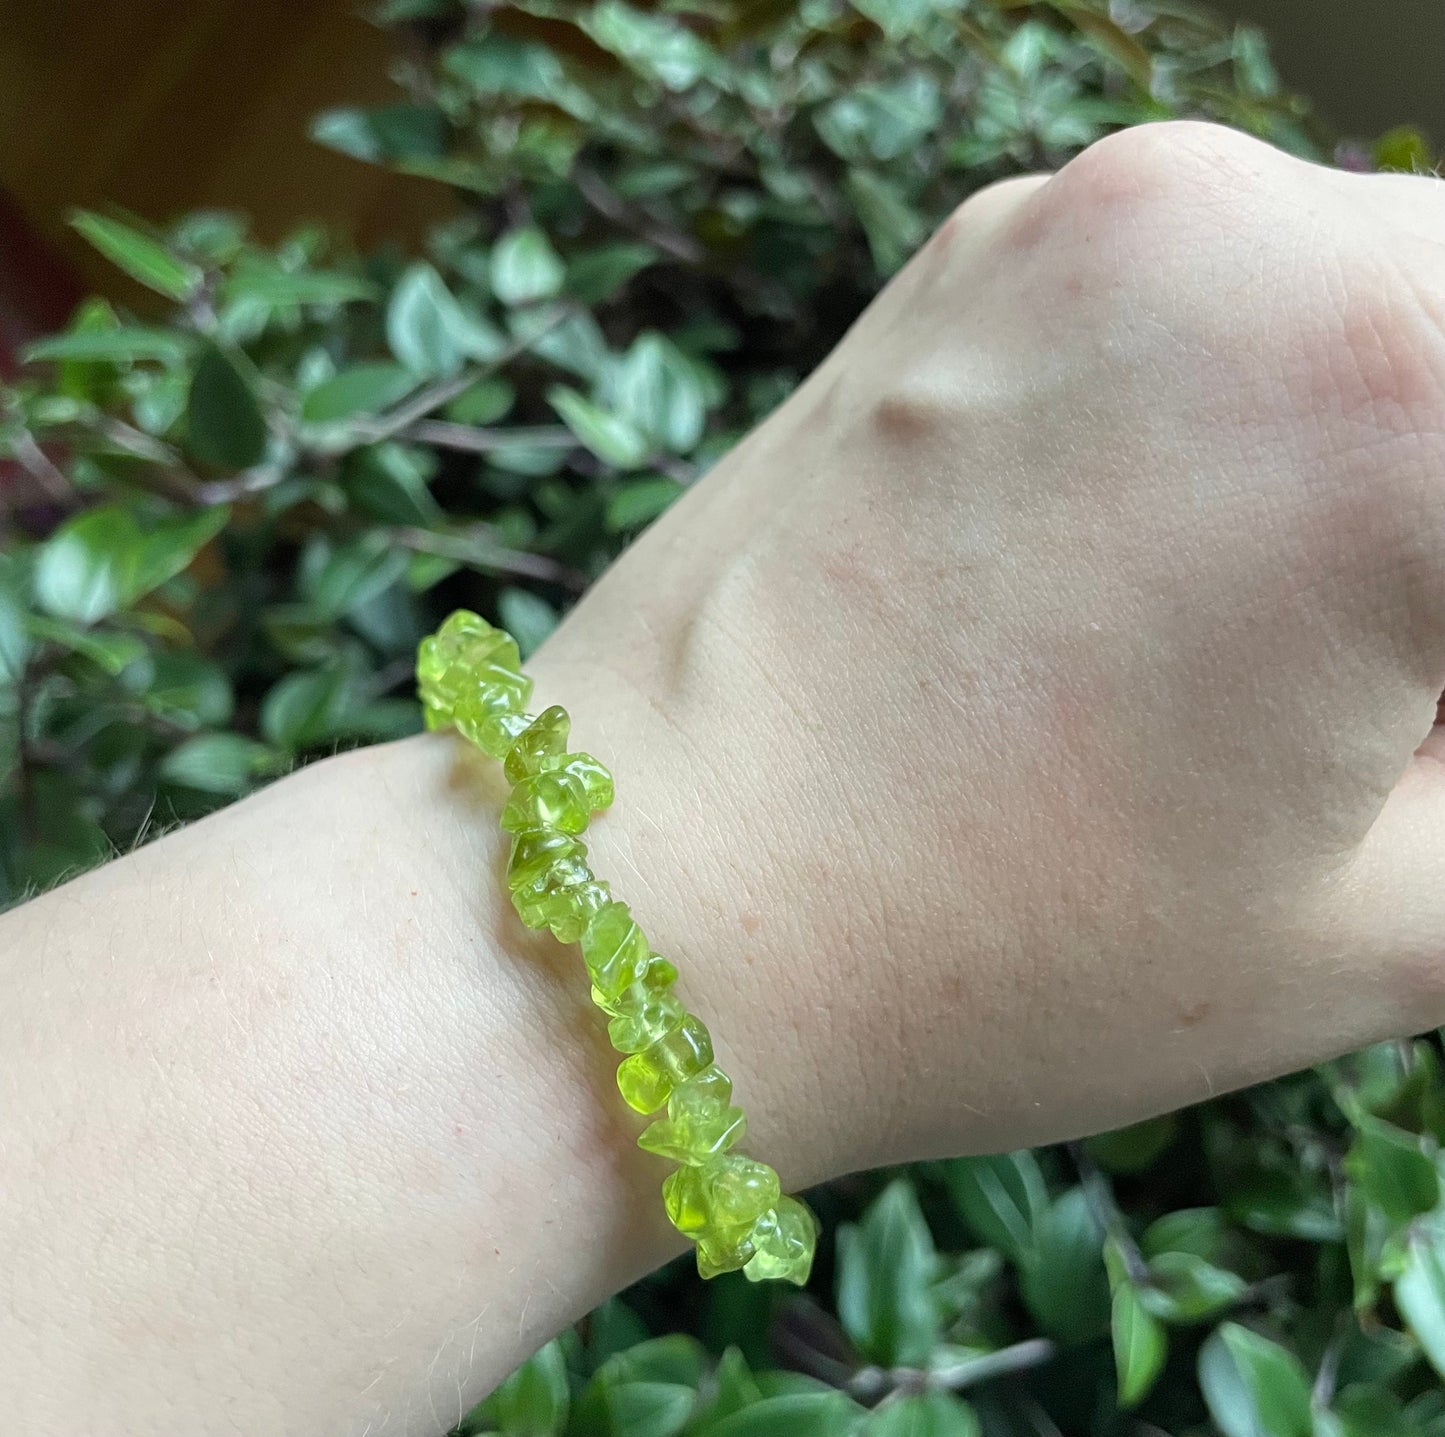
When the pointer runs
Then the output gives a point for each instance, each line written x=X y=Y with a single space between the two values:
x=1151 y=178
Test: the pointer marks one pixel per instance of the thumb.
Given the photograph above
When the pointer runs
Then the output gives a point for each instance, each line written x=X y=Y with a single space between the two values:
x=1387 y=918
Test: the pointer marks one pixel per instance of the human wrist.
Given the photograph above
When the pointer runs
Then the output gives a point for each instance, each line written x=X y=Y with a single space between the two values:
x=685 y=845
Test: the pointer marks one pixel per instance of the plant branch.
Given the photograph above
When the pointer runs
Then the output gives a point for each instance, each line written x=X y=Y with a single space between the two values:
x=477 y=547
x=1100 y=1198
x=611 y=206
x=410 y=411
x=876 y=1384
x=39 y=465
x=472 y=440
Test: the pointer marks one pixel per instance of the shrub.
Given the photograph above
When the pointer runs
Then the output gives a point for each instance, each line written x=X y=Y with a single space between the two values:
x=233 y=517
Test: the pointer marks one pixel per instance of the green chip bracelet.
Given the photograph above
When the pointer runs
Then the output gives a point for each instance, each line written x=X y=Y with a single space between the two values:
x=469 y=677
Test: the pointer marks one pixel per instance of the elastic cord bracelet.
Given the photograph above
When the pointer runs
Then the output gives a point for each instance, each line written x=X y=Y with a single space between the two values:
x=469 y=675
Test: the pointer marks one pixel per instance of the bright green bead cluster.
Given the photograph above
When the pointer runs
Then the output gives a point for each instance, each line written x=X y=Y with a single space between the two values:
x=469 y=675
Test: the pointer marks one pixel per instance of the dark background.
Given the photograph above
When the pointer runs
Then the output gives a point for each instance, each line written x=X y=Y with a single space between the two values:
x=1367 y=64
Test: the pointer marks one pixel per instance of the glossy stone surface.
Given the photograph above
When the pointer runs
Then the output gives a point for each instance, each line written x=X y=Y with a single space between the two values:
x=542 y=744
x=548 y=800
x=614 y=949
x=784 y=1240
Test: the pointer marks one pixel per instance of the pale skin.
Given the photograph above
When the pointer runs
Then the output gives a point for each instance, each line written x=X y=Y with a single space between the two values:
x=1026 y=730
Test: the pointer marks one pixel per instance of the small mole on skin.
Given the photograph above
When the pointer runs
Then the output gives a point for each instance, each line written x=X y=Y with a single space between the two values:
x=751 y=922
x=459 y=1130
x=1194 y=1016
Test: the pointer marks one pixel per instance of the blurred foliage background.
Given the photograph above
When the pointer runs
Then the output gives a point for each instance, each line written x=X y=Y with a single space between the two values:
x=232 y=509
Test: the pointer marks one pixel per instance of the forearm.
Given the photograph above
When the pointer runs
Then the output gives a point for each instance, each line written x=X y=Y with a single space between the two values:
x=304 y=1133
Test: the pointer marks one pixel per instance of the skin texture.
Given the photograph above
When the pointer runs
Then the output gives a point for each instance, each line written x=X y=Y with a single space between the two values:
x=1025 y=730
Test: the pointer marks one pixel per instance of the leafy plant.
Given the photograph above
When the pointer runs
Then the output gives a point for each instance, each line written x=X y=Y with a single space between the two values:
x=231 y=516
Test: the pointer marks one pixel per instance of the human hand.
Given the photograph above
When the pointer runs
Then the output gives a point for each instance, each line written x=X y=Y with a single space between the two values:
x=1026 y=729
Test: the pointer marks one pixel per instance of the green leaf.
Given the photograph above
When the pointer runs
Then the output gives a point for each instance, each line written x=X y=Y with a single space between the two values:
x=655 y=46
x=487 y=401
x=143 y=258
x=886 y=1267
x=188 y=689
x=659 y=389
x=80 y=573
x=428 y=330
x=881 y=121
x=101 y=560
x=792 y=1414
x=893 y=226
x=1393 y=1169
x=1001 y=1197
x=736 y=1388
x=223 y=763
x=1405 y=149
x=1140 y=1346
x=649 y=1409
x=358 y=389
x=303 y=709
x=224 y=423
x=123 y=345
x=391 y=132
x=1185 y=1288
x=263 y=281
x=1199 y=1230
x=525 y=267
x=897 y=18
x=111 y=651
x=166 y=547
x=1062 y=1277
x=596 y=275
x=528 y=617
x=930 y=1414
x=613 y=438
x=389 y=482
x=675 y=1358
x=1420 y=1292
x=1252 y=1386
x=337 y=579
x=14 y=636
x=639 y=502
x=534 y=1400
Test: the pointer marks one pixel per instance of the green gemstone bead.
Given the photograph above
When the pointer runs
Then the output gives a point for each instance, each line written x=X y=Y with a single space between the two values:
x=539 y=900
x=727 y=1192
x=495 y=731
x=480 y=693
x=703 y=1094
x=694 y=1142
x=741 y=1189
x=544 y=738
x=547 y=800
x=701 y=1121
x=646 y=1080
x=570 y=909
x=724 y=1250
x=614 y=949
x=595 y=779
x=461 y=625
x=535 y=850
x=784 y=1241
x=644 y=1020
x=654 y=978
